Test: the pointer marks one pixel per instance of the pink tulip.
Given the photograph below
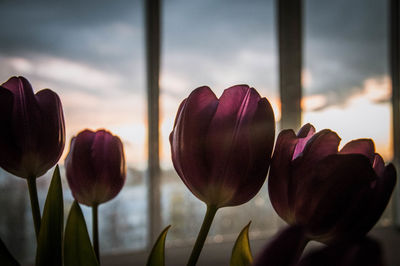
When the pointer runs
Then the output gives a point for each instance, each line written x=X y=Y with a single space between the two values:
x=32 y=137
x=335 y=194
x=95 y=167
x=221 y=148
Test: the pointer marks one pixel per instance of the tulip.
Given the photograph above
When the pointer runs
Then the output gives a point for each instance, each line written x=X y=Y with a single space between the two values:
x=221 y=148
x=335 y=194
x=95 y=169
x=33 y=132
x=284 y=249
x=365 y=251
x=32 y=136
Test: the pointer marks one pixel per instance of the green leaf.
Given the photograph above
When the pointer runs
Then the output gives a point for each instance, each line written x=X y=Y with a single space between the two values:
x=77 y=247
x=49 y=248
x=157 y=254
x=6 y=259
x=241 y=253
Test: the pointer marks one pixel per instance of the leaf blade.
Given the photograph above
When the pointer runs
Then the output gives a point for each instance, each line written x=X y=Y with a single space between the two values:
x=49 y=249
x=157 y=254
x=6 y=258
x=78 y=250
x=241 y=252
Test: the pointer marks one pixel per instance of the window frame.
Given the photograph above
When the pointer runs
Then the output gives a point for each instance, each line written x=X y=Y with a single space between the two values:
x=290 y=38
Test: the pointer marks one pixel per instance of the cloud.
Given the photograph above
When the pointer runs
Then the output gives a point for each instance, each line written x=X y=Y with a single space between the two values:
x=92 y=53
x=345 y=42
x=101 y=35
x=313 y=102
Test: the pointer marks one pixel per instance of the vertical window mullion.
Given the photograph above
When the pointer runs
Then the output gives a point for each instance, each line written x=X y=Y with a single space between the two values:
x=289 y=13
x=394 y=58
x=152 y=17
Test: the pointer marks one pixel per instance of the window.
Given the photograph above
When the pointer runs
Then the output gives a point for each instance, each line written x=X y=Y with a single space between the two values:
x=346 y=77
x=93 y=55
x=218 y=44
x=347 y=85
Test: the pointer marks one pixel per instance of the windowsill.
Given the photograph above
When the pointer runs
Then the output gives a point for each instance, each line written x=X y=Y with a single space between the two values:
x=219 y=253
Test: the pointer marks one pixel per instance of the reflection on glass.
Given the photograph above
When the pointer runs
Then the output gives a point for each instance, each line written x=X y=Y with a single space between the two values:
x=218 y=44
x=92 y=56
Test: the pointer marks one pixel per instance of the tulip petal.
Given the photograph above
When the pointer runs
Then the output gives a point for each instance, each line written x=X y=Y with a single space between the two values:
x=52 y=122
x=321 y=144
x=175 y=159
x=188 y=139
x=304 y=135
x=25 y=132
x=306 y=130
x=285 y=249
x=335 y=196
x=360 y=146
x=108 y=163
x=228 y=141
x=380 y=196
x=378 y=165
x=80 y=172
x=280 y=177
x=25 y=113
x=11 y=154
x=262 y=134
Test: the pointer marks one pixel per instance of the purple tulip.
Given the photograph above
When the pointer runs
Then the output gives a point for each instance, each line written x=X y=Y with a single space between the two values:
x=335 y=194
x=221 y=148
x=363 y=252
x=284 y=249
x=95 y=167
x=32 y=138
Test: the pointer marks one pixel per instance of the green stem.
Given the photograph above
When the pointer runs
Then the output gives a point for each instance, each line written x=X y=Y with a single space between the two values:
x=95 y=231
x=201 y=238
x=34 y=204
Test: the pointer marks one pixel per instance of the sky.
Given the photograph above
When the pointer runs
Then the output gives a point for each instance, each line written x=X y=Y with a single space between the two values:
x=92 y=54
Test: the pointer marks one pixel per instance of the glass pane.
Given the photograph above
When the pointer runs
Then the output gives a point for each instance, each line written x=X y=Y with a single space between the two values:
x=219 y=44
x=346 y=80
x=92 y=55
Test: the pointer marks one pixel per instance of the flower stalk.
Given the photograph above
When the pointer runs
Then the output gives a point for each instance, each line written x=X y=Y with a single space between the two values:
x=95 y=231
x=201 y=238
x=34 y=204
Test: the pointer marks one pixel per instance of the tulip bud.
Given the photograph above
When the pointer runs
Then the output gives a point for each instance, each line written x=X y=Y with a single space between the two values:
x=221 y=148
x=335 y=194
x=32 y=138
x=95 y=167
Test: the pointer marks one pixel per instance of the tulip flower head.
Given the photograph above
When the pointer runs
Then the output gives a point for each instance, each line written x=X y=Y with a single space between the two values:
x=335 y=194
x=365 y=251
x=32 y=138
x=221 y=148
x=284 y=249
x=95 y=167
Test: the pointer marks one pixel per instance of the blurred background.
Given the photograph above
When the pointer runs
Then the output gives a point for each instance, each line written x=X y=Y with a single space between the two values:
x=93 y=55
